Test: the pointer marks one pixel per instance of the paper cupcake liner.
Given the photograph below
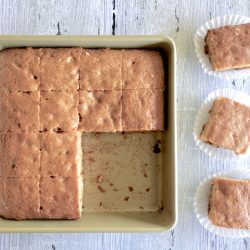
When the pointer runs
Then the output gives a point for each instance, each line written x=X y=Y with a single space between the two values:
x=200 y=43
x=203 y=116
x=201 y=201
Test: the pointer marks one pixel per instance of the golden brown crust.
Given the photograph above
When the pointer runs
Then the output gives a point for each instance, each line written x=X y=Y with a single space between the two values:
x=100 y=69
x=61 y=154
x=60 y=69
x=143 y=110
x=230 y=203
x=142 y=69
x=60 y=198
x=19 y=69
x=228 y=126
x=229 y=47
x=59 y=111
x=20 y=154
x=100 y=111
x=19 y=198
x=19 y=111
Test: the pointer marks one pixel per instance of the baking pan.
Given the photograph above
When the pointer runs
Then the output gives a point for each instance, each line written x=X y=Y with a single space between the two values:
x=130 y=181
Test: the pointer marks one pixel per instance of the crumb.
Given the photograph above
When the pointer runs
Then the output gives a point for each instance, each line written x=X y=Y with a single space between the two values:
x=126 y=198
x=101 y=189
x=157 y=147
x=147 y=189
x=160 y=210
x=145 y=175
x=111 y=184
x=130 y=188
x=97 y=134
x=91 y=159
x=99 y=178
x=100 y=204
x=206 y=51
x=141 y=207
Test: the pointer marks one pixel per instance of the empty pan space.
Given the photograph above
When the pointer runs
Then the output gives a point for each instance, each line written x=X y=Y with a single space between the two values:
x=122 y=171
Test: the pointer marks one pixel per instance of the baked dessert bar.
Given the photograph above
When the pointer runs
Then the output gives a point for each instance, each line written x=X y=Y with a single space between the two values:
x=20 y=154
x=60 y=69
x=100 y=69
x=61 y=154
x=19 y=69
x=229 y=204
x=19 y=198
x=143 y=110
x=142 y=69
x=19 y=111
x=228 y=47
x=100 y=111
x=228 y=126
x=61 y=198
x=59 y=111
x=13 y=78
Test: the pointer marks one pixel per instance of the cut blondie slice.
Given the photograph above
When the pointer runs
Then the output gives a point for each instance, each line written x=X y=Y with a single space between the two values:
x=228 y=126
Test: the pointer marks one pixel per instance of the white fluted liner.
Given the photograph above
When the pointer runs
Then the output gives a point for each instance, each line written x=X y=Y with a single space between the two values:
x=200 y=43
x=201 y=201
x=203 y=116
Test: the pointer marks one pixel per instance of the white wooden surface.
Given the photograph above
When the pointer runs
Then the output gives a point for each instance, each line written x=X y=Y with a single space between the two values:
x=178 y=19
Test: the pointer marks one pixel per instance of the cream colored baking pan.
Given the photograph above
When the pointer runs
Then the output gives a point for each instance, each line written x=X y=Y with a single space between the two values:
x=130 y=181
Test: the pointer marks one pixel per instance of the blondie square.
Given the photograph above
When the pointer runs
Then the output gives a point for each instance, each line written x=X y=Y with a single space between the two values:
x=101 y=69
x=228 y=126
x=228 y=47
x=20 y=154
x=230 y=203
x=60 y=69
x=142 y=69
x=143 y=110
x=100 y=111
x=61 y=198
x=19 y=111
x=19 y=69
x=61 y=154
x=19 y=198
x=59 y=111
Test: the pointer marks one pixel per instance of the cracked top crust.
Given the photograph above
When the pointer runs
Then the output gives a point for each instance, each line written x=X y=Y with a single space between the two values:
x=19 y=69
x=230 y=203
x=19 y=111
x=100 y=111
x=101 y=69
x=20 y=154
x=19 y=198
x=59 y=111
x=61 y=154
x=229 y=47
x=143 y=110
x=60 y=69
x=228 y=126
x=142 y=69
x=61 y=198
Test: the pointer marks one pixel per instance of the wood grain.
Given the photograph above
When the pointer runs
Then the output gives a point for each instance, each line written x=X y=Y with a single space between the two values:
x=178 y=19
